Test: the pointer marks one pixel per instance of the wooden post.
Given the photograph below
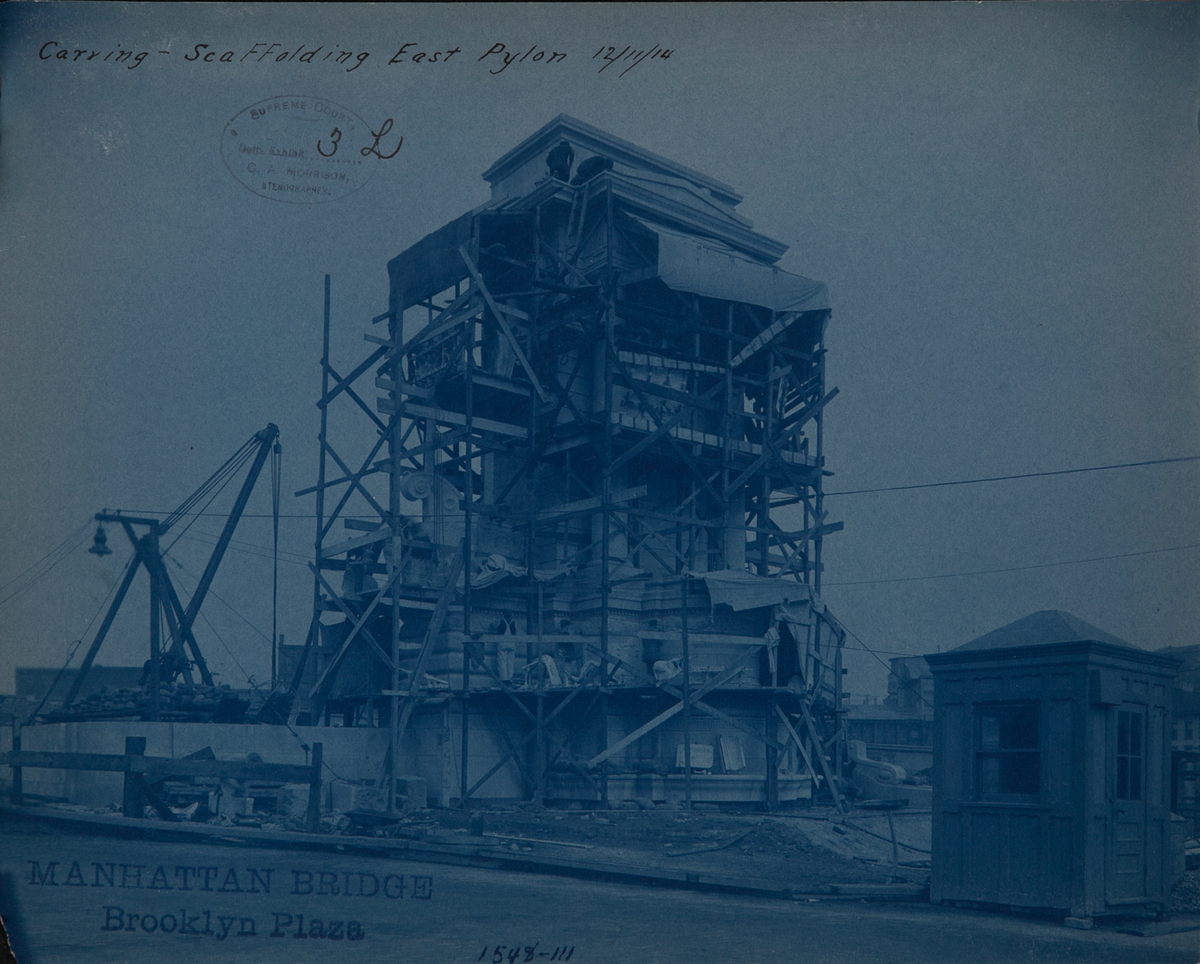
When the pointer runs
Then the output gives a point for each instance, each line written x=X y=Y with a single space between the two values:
x=687 y=694
x=315 y=631
x=395 y=560
x=18 y=786
x=764 y=495
x=539 y=752
x=314 y=789
x=131 y=804
x=155 y=643
x=468 y=497
x=610 y=321
x=838 y=717
x=533 y=755
x=772 y=782
x=818 y=484
x=895 y=849
x=727 y=427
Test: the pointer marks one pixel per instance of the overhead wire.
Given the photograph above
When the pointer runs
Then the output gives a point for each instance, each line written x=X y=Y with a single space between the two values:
x=883 y=662
x=34 y=565
x=219 y=599
x=1043 y=565
x=219 y=479
x=882 y=488
x=201 y=614
x=1008 y=478
x=253 y=549
x=264 y=552
x=242 y=456
x=217 y=482
x=46 y=564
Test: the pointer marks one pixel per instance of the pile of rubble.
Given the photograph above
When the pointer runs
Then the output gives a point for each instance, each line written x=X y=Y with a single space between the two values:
x=1185 y=895
x=177 y=701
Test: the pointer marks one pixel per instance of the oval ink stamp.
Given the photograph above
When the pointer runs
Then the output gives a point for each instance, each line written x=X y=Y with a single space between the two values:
x=300 y=150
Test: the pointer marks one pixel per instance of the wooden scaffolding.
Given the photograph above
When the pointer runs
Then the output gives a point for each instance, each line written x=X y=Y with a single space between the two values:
x=597 y=453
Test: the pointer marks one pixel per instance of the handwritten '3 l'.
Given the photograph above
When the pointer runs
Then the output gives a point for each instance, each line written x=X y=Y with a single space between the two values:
x=335 y=138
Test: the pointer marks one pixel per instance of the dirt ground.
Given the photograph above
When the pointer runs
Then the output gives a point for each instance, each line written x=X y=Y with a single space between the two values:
x=815 y=845
x=472 y=914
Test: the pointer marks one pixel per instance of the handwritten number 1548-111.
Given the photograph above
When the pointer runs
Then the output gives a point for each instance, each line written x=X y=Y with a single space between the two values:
x=503 y=954
x=335 y=138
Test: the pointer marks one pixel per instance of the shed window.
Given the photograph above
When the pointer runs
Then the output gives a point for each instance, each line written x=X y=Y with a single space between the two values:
x=1008 y=759
x=1129 y=755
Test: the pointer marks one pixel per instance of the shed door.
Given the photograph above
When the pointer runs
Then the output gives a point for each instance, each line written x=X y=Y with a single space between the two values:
x=1127 y=846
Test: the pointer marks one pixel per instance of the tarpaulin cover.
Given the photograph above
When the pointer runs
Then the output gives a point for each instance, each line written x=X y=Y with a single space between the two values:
x=711 y=270
x=431 y=265
x=743 y=590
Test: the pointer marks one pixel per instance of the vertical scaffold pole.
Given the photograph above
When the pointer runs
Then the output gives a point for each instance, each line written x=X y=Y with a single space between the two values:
x=540 y=740
x=468 y=494
x=610 y=319
x=819 y=482
x=837 y=710
x=315 y=627
x=155 y=623
x=18 y=785
x=539 y=785
x=687 y=692
x=396 y=560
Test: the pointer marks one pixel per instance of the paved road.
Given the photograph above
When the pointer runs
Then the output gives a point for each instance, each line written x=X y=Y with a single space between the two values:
x=98 y=900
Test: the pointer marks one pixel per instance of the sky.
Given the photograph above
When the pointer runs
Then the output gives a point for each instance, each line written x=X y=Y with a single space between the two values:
x=1002 y=199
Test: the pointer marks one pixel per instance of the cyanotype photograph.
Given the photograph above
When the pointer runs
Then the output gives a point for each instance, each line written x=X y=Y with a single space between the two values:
x=599 y=482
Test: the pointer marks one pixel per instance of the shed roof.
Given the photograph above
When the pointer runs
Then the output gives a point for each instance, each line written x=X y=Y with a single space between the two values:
x=1041 y=629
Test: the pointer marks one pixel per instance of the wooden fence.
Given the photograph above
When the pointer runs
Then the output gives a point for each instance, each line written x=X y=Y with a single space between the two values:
x=142 y=771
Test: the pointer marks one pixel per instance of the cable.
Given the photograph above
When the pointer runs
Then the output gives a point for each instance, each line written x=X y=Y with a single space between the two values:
x=249 y=679
x=884 y=663
x=885 y=488
x=886 y=652
x=73 y=535
x=225 y=515
x=58 y=554
x=221 y=477
x=1006 y=478
x=251 y=549
x=70 y=656
x=1044 y=565
x=219 y=599
x=216 y=491
x=133 y=561
x=200 y=613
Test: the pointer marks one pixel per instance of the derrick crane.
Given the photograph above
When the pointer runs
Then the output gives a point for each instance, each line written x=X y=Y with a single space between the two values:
x=164 y=598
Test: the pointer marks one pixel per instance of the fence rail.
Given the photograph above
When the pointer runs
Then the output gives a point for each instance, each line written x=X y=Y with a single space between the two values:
x=142 y=771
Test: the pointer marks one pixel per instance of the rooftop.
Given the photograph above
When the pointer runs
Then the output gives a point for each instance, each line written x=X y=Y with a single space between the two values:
x=1042 y=629
x=625 y=153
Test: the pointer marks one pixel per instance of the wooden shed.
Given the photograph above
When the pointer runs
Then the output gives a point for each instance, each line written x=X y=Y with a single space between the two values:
x=1051 y=772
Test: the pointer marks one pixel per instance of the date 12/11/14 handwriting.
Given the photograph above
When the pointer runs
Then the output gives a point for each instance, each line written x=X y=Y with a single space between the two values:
x=632 y=55
x=511 y=954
